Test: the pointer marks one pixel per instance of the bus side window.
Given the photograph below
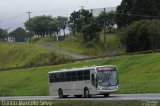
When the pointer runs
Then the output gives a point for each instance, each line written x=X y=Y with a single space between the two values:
x=52 y=77
x=74 y=75
x=62 y=77
x=57 y=76
x=80 y=75
x=86 y=74
x=68 y=76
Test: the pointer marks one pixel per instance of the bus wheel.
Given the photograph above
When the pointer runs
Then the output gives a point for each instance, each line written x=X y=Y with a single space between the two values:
x=60 y=93
x=78 y=96
x=106 y=95
x=86 y=93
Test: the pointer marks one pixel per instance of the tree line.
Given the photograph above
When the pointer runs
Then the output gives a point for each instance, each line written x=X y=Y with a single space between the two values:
x=82 y=22
x=18 y=35
x=46 y=25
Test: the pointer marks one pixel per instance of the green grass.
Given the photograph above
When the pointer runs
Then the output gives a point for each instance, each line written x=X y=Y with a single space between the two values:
x=22 y=54
x=113 y=42
x=71 y=43
x=137 y=74
x=47 y=39
x=75 y=43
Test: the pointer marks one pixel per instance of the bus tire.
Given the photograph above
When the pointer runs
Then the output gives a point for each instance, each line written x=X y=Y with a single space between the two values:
x=78 y=96
x=106 y=95
x=60 y=93
x=86 y=93
x=65 y=96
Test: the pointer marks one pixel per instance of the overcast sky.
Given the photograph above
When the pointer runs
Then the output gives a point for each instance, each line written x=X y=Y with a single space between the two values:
x=13 y=12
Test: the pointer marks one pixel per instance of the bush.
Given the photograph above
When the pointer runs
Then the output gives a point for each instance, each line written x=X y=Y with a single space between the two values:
x=141 y=35
x=89 y=44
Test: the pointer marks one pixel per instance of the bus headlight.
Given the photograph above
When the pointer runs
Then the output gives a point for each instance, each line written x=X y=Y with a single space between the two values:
x=101 y=88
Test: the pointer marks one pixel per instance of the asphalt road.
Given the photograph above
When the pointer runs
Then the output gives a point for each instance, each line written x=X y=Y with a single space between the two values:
x=65 y=52
x=111 y=97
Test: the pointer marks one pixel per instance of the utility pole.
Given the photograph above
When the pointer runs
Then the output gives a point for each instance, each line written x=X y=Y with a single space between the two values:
x=29 y=17
x=92 y=12
x=104 y=28
x=81 y=17
x=82 y=7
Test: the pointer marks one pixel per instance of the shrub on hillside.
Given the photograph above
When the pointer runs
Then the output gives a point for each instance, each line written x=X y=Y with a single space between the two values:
x=89 y=44
x=141 y=35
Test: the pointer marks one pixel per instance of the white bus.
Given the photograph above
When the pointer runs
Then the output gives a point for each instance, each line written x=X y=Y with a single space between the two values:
x=86 y=81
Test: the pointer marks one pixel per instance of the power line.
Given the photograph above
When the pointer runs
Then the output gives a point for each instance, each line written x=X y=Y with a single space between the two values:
x=130 y=14
x=118 y=13
x=82 y=7
x=136 y=15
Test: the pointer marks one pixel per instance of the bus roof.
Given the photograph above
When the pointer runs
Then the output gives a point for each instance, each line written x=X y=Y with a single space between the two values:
x=82 y=68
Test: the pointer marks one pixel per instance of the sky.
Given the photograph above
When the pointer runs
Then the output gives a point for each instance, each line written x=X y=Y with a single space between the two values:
x=13 y=12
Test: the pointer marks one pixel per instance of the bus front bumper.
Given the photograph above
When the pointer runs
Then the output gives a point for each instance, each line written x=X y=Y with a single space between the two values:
x=112 y=89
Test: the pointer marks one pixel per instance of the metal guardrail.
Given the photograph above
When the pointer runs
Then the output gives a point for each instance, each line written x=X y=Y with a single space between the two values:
x=75 y=60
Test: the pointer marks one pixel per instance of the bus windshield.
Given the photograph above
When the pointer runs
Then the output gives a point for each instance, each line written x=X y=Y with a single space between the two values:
x=107 y=76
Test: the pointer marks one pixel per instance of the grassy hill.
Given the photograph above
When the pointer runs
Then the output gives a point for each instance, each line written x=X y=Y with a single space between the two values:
x=75 y=43
x=21 y=54
x=137 y=74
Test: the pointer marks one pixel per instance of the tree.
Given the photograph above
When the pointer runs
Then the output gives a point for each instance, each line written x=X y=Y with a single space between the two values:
x=39 y=24
x=141 y=35
x=90 y=31
x=153 y=30
x=79 y=19
x=46 y=25
x=19 y=34
x=107 y=20
x=62 y=23
x=133 y=10
x=3 y=34
x=74 y=17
